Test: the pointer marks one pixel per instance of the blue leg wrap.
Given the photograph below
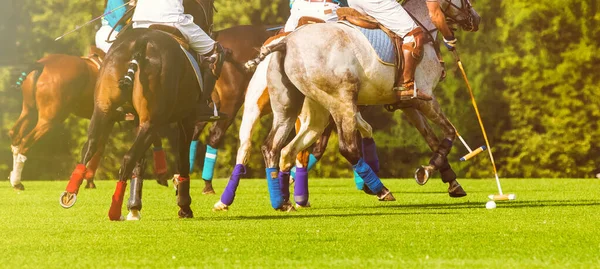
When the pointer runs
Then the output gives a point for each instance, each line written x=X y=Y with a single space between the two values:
x=209 y=163
x=370 y=153
x=293 y=172
x=274 y=188
x=358 y=181
x=193 y=148
x=367 y=174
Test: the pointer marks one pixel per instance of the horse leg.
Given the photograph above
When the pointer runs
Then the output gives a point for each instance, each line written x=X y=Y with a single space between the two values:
x=134 y=204
x=41 y=128
x=160 y=161
x=142 y=142
x=313 y=121
x=92 y=166
x=439 y=161
x=99 y=129
x=348 y=119
x=256 y=105
x=194 y=144
x=22 y=125
x=184 y=200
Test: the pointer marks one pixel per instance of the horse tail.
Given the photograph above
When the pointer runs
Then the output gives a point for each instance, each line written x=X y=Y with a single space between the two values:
x=251 y=65
x=36 y=69
x=139 y=53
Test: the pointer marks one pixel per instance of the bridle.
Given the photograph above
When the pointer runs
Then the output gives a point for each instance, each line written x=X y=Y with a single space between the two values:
x=464 y=9
x=208 y=10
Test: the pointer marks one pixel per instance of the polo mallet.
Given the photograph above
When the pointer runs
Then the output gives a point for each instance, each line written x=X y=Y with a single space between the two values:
x=471 y=153
x=500 y=196
x=93 y=20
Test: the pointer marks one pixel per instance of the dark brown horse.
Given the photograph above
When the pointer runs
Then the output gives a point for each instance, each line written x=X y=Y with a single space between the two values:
x=58 y=86
x=164 y=90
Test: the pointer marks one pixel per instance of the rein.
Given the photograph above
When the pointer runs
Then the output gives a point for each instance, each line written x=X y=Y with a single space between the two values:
x=206 y=11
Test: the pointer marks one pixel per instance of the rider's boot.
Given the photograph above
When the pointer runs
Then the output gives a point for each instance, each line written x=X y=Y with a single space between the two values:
x=413 y=53
x=211 y=66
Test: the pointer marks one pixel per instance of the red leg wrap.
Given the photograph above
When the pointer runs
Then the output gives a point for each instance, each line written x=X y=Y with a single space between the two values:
x=76 y=179
x=114 y=213
x=160 y=162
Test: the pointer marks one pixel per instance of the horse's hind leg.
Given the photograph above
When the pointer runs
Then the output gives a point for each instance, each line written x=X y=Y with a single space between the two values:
x=439 y=160
x=199 y=126
x=184 y=200
x=348 y=120
x=141 y=143
x=256 y=105
x=18 y=131
x=314 y=118
x=41 y=129
x=134 y=204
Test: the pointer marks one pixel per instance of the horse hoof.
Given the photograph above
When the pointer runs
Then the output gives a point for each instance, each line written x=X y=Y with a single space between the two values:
x=120 y=218
x=90 y=185
x=185 y=213
x=302 y=206
x=287 y=207
x=455 y=190
x=220 y=206
x=208 y=190
x=67 y=199
x=134 y=215
x=422 y=175
x=385 y=195
x=163 y=180
x=19 y=187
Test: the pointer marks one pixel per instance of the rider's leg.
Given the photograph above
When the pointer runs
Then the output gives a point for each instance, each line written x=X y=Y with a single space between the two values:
x=212 y=58
x=413 y=53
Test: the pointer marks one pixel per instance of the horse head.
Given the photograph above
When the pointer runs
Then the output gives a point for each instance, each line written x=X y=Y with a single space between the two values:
x=461 y=13
x=202 y=11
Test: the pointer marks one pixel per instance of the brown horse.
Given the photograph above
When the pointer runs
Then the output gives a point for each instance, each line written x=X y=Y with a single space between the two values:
x=164 y=90
x=58 y=86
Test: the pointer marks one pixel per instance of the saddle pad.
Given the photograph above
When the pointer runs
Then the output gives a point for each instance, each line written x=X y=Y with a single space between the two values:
x=380 y=41
x=194 y=65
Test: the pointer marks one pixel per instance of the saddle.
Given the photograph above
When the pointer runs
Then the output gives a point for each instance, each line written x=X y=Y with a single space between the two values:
x=354 y=17
x=96 y=56
x=194 y=58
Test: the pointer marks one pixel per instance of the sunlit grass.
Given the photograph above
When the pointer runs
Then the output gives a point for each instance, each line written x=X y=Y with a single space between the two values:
x=553 y=223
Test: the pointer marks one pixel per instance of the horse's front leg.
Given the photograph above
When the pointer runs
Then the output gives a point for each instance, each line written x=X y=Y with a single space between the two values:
x=439 y=160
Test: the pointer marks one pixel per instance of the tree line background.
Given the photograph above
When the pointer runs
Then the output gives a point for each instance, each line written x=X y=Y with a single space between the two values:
x=533 y=67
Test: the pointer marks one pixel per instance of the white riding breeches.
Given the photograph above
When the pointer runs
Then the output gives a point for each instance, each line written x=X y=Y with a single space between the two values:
x=300 y=8
x=389 y=13
x=199 y=41
x=102 y=35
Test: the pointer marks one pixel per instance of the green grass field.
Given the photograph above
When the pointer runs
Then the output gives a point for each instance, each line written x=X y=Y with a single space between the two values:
x=553 y=223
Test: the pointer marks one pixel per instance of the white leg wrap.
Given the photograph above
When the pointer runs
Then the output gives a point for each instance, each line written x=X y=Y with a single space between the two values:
x=15 y=175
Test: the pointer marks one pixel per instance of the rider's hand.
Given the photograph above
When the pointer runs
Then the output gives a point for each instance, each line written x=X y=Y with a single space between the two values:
x=450 y=43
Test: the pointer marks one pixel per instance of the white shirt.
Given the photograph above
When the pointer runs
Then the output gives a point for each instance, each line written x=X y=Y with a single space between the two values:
x=158 y=10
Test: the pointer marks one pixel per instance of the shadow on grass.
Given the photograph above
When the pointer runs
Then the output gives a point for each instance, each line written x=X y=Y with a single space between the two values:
x=503 y=204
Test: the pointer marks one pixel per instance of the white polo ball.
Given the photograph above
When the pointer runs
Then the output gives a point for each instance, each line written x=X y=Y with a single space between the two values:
x=490 y=205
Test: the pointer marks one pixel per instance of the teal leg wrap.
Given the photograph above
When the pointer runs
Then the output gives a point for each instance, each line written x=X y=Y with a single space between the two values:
x=274 y=188
x=312 y=161
x=209 y=163
x=358 y=181
x=193 y=148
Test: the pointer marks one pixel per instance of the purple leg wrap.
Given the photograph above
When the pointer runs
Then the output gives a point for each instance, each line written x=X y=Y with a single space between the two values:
x=301 y=186
x=229 y=192
x=370 y=154
x=284 y=184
